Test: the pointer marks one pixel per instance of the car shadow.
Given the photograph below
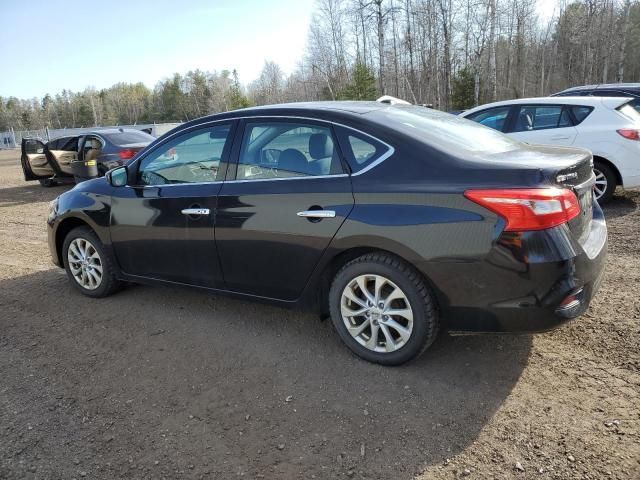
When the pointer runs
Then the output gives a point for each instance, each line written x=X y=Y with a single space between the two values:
x=621 y=204
x=175 y=380
x=31 y=192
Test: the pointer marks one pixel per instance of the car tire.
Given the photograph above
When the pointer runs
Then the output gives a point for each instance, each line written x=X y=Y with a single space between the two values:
x=604 y=173
x=47 y=182
x=89 y=266
x=394 y=286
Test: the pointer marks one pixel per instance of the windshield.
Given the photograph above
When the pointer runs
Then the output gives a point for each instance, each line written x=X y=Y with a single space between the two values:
x=446 y=131
x=129 y=137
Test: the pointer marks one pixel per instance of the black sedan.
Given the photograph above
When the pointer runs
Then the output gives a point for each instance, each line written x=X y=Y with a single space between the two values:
x=397 y=221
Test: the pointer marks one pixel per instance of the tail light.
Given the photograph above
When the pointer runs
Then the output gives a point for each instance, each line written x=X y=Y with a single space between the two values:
x=529 y=209
x=126 y=154
x=629 y=133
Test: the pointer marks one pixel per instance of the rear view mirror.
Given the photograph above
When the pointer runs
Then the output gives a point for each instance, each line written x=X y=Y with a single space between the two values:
x=118 y=176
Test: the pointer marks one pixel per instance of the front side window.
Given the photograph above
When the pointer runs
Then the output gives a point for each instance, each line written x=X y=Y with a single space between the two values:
x=70 y=145
x=193 y=157
x=493 y=118
x=287 y=149
x=531 y=117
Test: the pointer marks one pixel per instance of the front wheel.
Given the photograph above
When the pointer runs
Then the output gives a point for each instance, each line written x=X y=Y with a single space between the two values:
x=382 y=309
x=87 y=263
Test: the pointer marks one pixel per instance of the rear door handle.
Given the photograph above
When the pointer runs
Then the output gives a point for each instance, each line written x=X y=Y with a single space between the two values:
x=559 y=137
x=195 y=211
x=317 y=214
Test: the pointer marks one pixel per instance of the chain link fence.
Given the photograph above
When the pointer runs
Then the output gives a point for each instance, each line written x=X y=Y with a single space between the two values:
x=13 y=138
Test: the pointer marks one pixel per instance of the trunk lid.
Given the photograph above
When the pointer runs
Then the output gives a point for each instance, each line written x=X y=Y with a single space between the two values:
x=580 y=178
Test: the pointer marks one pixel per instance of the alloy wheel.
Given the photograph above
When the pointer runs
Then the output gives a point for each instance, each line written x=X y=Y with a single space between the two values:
x=600 y=186
x=85 y=263
x=376 y=313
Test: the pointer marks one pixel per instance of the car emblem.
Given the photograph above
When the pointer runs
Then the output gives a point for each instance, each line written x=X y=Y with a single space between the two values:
x=567 y=176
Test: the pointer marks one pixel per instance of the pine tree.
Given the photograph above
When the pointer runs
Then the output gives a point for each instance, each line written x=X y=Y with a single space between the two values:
x=362 y=85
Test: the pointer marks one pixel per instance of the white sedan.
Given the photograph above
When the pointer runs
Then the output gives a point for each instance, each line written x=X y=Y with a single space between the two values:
x=608 y=126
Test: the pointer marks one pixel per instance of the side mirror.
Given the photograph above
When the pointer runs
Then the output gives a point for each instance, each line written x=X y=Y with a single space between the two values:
x=118 y=176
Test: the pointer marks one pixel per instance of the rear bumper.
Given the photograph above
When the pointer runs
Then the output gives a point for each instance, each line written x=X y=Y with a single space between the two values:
x=532 y=281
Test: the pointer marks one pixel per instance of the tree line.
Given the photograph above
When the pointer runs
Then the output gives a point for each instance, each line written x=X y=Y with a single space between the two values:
x=451 y=54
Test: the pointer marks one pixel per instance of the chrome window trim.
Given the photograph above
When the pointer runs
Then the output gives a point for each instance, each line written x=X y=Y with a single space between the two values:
x=383 y=157
x=164 y=185
x=309 y=177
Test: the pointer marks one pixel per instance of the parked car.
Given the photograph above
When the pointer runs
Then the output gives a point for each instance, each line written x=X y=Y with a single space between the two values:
x=397 y=221
x=608 y=126
x=53 y=161
x=605 y=90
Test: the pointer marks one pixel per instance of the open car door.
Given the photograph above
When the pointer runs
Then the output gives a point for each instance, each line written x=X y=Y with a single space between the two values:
x=35 y=163
x=63 y=152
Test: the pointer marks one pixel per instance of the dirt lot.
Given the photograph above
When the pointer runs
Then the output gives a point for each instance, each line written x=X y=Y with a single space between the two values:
x=156 y=382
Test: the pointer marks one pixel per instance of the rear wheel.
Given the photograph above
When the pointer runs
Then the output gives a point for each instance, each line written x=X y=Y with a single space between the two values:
x=605 y=182
x=87 y=263
x=382 y=309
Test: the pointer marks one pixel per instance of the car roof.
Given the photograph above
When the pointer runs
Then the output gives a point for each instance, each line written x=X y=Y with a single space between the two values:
x=339 y=108
x=600 y=86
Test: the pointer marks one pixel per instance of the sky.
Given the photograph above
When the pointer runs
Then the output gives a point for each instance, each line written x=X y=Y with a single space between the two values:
x=48 y=46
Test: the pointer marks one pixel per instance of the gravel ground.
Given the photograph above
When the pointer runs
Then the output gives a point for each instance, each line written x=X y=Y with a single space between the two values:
x=157 y=382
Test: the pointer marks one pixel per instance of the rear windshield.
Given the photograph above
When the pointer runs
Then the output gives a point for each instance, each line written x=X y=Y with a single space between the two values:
x=446 y=131
x=129 y=137
x=630 y=112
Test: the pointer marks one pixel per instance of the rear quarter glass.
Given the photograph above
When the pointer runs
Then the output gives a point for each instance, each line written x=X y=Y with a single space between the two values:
x=630 y=112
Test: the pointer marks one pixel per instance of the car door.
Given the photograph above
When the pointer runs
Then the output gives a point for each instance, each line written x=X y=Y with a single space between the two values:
x=543 y=124
x=34 y=160
x=64 y=151
x=285 y=197
x=162 y=223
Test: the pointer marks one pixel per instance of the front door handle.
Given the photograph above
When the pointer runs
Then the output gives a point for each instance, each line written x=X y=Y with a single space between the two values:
x=559 y=137
x=195 y=211
x=317 y=214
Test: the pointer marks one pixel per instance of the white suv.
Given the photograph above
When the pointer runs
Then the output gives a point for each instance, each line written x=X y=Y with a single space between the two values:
x=608 y=126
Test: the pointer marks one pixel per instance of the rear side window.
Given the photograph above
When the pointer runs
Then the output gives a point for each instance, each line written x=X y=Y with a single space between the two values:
x=274 y=150
x=580 y=113
x=493 y=118
x=541 y=117
x=361 y=150
x=630 y=112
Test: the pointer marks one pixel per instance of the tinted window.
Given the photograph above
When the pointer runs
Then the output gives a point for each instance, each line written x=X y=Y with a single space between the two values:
x=493 y=117
x=53 y=144
x=69 y=145
x=636 y=104
x=193 y=157
x=541 y=117
x=278 y=149
x=361 y=150
x=129 y=137
x=580 y=113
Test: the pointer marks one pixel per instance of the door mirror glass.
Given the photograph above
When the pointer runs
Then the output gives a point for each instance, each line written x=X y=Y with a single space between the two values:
x=118 y=176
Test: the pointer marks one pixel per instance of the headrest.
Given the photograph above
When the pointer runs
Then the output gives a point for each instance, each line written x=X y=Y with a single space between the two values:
x=293 y=160
x=320 y=146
